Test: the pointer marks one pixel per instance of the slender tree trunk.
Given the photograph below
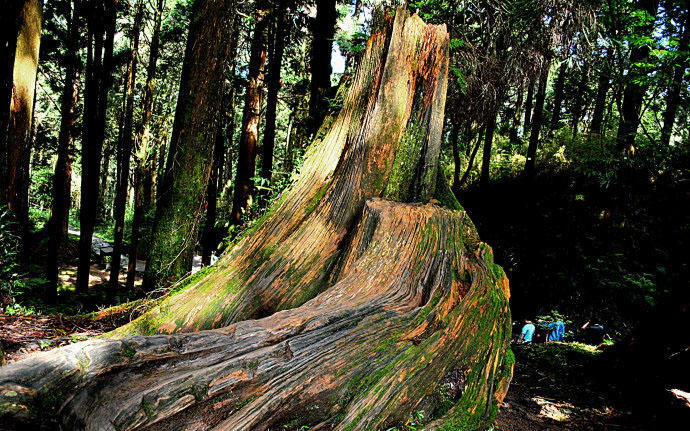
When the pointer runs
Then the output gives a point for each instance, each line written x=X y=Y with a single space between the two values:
x=457 y=162
x=21 y=114
x=143 y=154
x=323 y=31
x=246 y=159
x=528 y=106
x=230 y=105
x=579 y=102
x=9 y=30
x=517 y=115
x=486 y=154
x=470 y=162
x=673 y=95
x=62 y=182
x=634 y=90
x=390 y=306
x=208 y=239
x=537 y=120
x=125 y=147
x=558 y=95
x=603 y=87
x=101 y=33
x=183 y=193
x=273 y=84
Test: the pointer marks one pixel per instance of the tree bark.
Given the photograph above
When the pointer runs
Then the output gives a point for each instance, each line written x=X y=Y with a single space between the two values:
x=273 y=85
x=124 y=147
x=486 y=153
x=208 y=239
x=246 y=158
x=528 y=106
x=9 y=30
x=402 y=308
x=603 y=87
x=21 y=114
x=558 y=95
x=183 y=189
x=470 y=162
x=144 y=157
x=673 y=95
x=537 y=120
x=323 y=31
x=99 y=65
x=635 y=90
x=579 y=103
x=62 y=182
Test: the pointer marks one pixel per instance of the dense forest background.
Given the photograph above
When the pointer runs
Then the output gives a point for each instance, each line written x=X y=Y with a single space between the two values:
x=567 y=139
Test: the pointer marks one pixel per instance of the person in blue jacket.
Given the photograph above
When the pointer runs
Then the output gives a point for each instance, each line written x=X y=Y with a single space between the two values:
x=557 y=331
x=526 y=333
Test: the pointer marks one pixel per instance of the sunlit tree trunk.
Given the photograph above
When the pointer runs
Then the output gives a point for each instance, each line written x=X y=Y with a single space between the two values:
x=183 y=189
x=390 y=306
x=251 y=116
x=21 y=114
x=144 y=157
x=9 y=29
x=124 y=147
x=62 y=182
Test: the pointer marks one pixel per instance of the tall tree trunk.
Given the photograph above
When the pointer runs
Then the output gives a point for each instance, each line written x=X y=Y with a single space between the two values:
x=124 y=147
x=191 y=145
x=673 y=94
x=230 y=105
x=21 y=114
x=528 y=106
x=537 y=120
x=323 y=31
x=101 y=33
x=246 y=159
x=579 y=102
x=517 y=115
x=558 y=95
x=273 y=85
x=208 y=238
x=9 y=30
x=457 y=162
x=400 y=307
x=62 y=182
x=603 y=87
x=486 y=153
x=144 y=157
x=635 y=90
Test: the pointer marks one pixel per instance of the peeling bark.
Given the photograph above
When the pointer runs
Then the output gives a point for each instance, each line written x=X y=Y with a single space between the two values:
x=350 y=305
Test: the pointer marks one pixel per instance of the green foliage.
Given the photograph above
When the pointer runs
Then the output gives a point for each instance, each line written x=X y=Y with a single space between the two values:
x=9 y=257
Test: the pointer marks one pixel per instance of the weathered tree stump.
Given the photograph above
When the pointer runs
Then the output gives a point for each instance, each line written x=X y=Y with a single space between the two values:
x=348 y=306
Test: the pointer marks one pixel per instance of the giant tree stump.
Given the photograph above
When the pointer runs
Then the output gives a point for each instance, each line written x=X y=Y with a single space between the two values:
x=350 y=305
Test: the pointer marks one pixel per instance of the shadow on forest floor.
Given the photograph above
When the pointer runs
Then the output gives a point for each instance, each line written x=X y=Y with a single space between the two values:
x=554 y=388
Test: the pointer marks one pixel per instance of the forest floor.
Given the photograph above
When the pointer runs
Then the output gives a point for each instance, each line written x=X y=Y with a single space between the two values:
x=555 y=388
